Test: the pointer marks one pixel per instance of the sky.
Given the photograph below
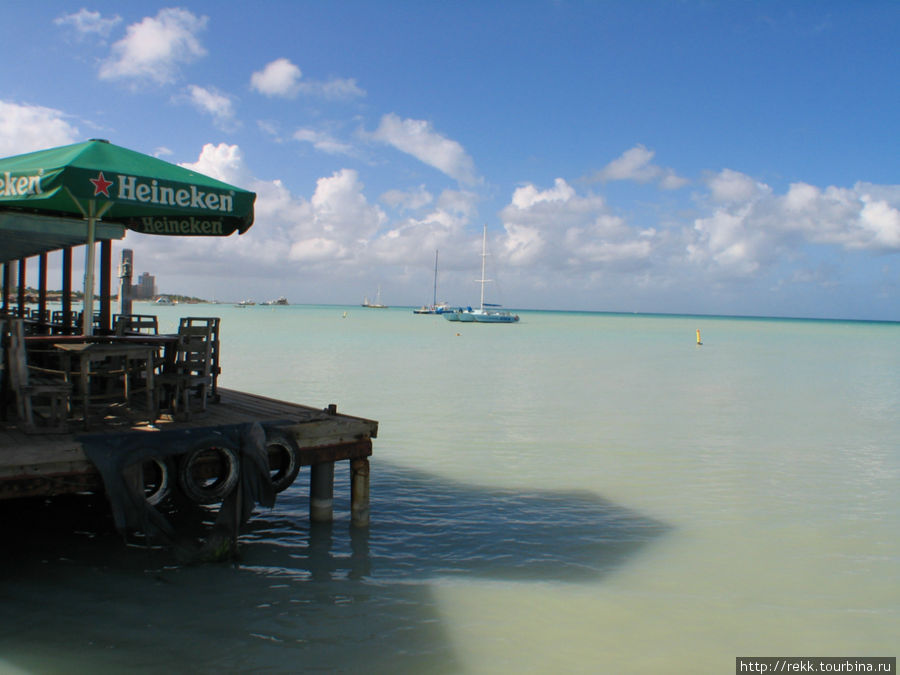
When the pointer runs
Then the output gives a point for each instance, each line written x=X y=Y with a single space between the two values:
x=686 y=157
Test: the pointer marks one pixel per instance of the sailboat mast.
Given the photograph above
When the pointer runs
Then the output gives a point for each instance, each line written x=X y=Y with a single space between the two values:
x=434 y=299
x=483 y=258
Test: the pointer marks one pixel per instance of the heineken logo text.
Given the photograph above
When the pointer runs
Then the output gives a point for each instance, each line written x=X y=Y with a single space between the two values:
x=19 y=186
x=191 y=225
x=184 y=197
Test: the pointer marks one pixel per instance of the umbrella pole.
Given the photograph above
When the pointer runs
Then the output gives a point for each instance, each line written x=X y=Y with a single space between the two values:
x=87 y=314
x=93 y=215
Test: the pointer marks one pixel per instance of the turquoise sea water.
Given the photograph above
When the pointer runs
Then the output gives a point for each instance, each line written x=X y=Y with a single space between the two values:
x=573 y=493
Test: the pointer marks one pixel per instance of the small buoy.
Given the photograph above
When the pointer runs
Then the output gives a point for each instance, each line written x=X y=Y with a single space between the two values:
x=458 y=334
x=699 y=342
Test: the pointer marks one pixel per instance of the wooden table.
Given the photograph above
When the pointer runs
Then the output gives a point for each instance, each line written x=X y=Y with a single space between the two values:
x=90 y=352
x=165 y=341
x=159 y=340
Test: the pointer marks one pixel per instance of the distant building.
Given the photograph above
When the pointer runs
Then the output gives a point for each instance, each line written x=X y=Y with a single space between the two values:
x=145 y=288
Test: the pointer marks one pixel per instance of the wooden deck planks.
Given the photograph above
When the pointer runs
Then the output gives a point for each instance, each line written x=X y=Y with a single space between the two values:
x=36 y=464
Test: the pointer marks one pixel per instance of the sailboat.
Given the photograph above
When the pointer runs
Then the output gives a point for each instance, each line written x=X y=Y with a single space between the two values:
x=487 y=312
x=435 y=307
x=374 y=305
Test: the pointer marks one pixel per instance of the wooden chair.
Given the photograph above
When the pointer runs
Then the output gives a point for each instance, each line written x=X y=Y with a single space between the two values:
x=136 y=324
x=78 y=319
x=30 y=383
x=191 y=371
x=212 y=322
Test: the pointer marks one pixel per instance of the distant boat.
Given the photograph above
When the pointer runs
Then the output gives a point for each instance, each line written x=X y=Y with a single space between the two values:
x=163 y=300
x=280 y=301
x=487 y=312
x=435 y=307
x=374 y=305
x=245 y=303
x=439 y=308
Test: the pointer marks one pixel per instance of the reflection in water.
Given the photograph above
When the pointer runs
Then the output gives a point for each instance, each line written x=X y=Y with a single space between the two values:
x=302 y=596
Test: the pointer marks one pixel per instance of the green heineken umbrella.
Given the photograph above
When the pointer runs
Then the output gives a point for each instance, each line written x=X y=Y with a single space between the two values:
x=97 y=181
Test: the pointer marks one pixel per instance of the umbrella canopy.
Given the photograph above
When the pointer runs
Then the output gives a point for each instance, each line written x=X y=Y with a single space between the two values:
x=141 y=192
x=96 y=180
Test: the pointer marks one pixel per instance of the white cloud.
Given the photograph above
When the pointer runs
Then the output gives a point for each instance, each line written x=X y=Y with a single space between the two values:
x=881 y=222
x=283 y=79
x=745 y=232
x=800 y=197
x=214 y=103
x=528 y=195
x=636 y=165
x=408 y=200
x=341 y=206
x=323 y=142
x=279 y=78
x=669 y=180
x=522 y=245
x=155 y=48
x=559 y=229
x=26 y=128
x=419 y=139
x=733 y=186
x=335 y=89
x=317 y=249
x=461 y=203
x=89 y=24
x=608 y=241
x=751 y=228
x=224 y=162
x=270 y=128
x=412 y=241
x=556 y=208
x=729 y=241
x=558 y=237
x=334 y=226
x=633 y=164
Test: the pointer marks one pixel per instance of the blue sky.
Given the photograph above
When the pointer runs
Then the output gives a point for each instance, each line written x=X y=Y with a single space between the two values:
x=683 y=157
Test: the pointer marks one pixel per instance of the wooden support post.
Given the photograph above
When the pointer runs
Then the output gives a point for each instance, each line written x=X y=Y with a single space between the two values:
x=105 y=286
x=42 y=293
x=321 y=492
x=359 y=492
x=20 y=291
x=7 y=284
x=67 y=290
x=125 y=281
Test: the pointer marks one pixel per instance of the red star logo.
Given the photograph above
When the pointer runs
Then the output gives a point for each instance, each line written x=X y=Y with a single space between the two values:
x=101 y=185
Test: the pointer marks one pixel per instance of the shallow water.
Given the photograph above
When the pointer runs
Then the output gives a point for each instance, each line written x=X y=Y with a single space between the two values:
x=574 y=493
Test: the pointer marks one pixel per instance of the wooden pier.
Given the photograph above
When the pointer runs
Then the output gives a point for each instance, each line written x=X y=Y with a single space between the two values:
x=237 y=450
x=48 y=464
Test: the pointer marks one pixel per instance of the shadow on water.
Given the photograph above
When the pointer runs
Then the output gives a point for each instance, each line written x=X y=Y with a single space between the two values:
x=311 y=597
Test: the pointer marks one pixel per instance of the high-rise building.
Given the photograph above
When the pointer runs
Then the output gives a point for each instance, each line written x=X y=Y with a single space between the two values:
x=145 y=289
